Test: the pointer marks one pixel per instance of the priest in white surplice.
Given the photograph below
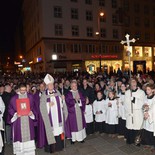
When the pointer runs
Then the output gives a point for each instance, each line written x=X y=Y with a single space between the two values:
x=134 y=100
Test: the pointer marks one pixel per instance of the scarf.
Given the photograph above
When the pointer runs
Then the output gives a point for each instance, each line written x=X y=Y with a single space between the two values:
x=25 y=126
x=78 y=111
x=46 y=120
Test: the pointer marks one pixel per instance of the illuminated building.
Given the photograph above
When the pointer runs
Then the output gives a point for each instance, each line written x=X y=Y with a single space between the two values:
x=69 y=30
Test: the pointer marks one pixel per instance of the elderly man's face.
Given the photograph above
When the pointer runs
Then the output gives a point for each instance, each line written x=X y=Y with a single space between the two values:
x=74 y=86
x=50 y=86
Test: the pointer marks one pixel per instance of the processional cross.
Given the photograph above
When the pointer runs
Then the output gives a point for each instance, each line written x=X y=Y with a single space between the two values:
x=128 y=41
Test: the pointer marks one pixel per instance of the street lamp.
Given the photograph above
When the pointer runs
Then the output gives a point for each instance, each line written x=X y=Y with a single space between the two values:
x=101 y=14
x=21 y=57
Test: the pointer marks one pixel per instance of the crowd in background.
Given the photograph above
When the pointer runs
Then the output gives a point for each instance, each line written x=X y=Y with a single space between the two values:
x=112 y=102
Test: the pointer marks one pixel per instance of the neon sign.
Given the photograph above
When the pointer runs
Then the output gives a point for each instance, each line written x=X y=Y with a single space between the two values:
x=104 y=56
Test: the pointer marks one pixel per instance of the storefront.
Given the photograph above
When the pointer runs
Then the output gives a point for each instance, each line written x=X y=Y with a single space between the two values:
x=108 y=63
x=141 y=58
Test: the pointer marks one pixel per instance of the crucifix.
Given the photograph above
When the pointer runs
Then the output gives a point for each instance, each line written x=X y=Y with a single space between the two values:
x=128 y=41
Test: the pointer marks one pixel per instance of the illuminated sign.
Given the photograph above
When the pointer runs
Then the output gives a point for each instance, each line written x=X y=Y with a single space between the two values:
x=31 y=62
x=54 y=57
x=39 y=59
x=17 y=63
x=20 y=65
x=104 y=56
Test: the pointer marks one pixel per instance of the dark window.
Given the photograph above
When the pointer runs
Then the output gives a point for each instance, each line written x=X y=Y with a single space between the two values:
x=76 y=48
x=137 y=35
x=101 y=2
x=88 y=2
x=103 y=19
x=90 y=48
x=103 y=33
x=73 y=0
x=114 y=3
x=137 y=21
x=127 y=21
x=59 y=48
x=147 y=22
x=115 y=34
x=146 y=10
x=126 y=5
x=114 y=19
x=75 y=30
x=57 y=12
x=153 y=11
x=89 y=32
x=147 y=36
x=58 y=30
x=137 y=8
x=74 y=13
x=89 y=15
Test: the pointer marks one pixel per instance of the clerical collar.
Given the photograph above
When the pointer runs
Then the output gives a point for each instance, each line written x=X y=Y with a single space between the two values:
x=134 y=90
x=150 y=97
x=74 y=91
x=22 y=94
x=51 y=92
x=99 y=99
x=111 y=99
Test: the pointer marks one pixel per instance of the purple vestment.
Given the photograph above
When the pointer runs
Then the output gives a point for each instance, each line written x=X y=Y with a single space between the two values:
x=16 y=125
x=41 y=135
x=71 y=122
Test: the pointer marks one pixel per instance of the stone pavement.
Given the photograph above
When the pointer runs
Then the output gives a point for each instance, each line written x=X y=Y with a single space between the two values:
x=96 y=145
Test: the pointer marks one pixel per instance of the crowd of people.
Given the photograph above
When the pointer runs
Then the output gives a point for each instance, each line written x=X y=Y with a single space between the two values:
x=42 y=111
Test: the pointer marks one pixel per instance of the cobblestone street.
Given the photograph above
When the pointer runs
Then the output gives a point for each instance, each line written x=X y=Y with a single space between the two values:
x=96 y=145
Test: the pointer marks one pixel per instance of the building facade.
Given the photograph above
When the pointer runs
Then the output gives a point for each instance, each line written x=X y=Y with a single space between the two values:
x=72 y=35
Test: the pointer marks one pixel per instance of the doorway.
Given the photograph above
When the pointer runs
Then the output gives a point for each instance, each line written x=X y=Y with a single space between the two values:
x=139 y=67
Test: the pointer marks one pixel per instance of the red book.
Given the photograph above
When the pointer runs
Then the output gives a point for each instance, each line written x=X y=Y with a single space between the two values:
x=23 y=106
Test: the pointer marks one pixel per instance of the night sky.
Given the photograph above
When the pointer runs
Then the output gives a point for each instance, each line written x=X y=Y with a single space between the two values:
x=10 y=11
